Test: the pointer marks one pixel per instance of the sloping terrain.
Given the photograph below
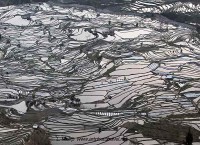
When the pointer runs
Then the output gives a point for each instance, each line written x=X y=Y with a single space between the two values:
x=89 y=76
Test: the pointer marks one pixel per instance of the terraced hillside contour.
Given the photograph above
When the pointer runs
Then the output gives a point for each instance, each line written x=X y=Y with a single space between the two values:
x=94 y=77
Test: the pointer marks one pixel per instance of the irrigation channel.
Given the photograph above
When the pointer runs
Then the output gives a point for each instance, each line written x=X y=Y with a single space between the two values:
x=94 y=77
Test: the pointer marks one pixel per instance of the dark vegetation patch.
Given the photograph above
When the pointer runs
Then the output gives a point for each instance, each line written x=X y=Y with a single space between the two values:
x=112 y=69
x=163 y=130
x=36 y=116
x=183 y=17
x=181 y=116
x=38 y=137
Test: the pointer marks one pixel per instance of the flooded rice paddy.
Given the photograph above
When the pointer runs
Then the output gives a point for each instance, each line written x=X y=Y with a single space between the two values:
x=96 y=78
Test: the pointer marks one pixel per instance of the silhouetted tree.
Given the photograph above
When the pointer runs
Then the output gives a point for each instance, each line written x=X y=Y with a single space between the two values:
x=136 y=25
x=100 y=129
x=125 y=139
x=189 y=138
x=122 y=24
x=18 y=45
x=109 y=22
x=8 y=41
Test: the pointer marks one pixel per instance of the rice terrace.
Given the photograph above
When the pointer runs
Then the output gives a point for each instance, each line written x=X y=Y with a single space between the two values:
x=99 y=72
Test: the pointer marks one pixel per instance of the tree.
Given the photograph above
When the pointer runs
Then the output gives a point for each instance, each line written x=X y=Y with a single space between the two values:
x=189 y=138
